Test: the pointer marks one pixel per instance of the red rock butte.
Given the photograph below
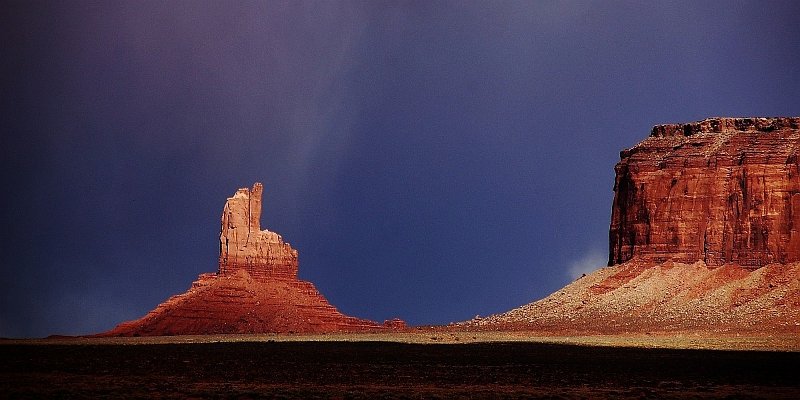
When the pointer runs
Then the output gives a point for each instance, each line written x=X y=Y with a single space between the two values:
x=255 y=290
x=722 y=190
x=704 y=236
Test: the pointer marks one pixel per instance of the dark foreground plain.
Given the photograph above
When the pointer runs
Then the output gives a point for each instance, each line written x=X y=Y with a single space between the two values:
x=375 y=369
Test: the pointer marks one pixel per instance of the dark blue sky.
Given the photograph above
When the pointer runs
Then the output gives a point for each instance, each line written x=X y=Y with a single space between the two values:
x=429 y=160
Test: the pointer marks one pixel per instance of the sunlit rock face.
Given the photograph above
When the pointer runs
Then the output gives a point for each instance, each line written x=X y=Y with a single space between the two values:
x=721 y=190
x=255 y=290
x=243 y=245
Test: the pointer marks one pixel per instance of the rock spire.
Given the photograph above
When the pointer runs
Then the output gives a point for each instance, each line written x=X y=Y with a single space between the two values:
x=243 y=245
x=255 y=289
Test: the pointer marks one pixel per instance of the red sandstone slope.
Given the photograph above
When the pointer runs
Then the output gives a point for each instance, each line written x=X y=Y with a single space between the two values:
x=634 y=297
x=255 y=290
x=705 y=235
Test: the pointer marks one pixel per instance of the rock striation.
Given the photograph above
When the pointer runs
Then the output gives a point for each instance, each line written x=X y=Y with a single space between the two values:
x=255 y=290
x=704 y=236
x=721 y=190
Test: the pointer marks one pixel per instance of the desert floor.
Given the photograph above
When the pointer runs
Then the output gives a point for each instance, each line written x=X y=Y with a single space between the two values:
x=422 y=364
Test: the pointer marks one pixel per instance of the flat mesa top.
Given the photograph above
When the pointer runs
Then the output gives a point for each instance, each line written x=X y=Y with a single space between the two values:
x=726 y=125
x=770 y=140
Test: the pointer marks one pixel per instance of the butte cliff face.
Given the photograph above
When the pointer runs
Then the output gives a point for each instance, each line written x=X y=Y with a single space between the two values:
x=255 y=289
x=722 y=190
x=705 y=236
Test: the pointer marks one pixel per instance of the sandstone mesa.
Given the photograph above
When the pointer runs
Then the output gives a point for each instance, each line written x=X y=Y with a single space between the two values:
x=722 y=190
x=704 y=236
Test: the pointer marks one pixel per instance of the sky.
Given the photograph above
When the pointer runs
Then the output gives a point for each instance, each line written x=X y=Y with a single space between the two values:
x=429 y=160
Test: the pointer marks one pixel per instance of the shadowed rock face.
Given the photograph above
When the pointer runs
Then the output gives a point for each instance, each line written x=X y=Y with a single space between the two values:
x=255 y=290
x=721 y=190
